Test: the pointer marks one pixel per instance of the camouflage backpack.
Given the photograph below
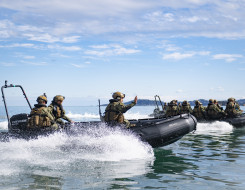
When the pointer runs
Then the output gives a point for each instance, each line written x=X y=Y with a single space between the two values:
x=211 y=110
x=112 y=113
x=38 y=119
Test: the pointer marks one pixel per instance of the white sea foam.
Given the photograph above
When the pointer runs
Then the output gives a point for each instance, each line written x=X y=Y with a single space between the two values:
x=3 y=125
x=87 y=116
x=83 y=116
x=214 y=128
x=60 y=151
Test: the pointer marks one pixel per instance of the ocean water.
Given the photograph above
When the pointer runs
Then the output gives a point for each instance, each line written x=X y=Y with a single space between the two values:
x=211 y=158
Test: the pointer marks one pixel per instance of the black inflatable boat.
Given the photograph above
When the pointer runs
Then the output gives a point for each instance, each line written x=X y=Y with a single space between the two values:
x=156 y=132
x=237 y=122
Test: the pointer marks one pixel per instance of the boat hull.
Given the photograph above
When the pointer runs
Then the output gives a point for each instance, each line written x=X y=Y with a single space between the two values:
x=156 y=132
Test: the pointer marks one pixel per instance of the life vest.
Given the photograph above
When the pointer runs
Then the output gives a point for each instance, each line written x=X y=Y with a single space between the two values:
x=198 y=112
x=213 y=112
x=231 y=110
x=172 y=110
x=38 y=119
x=184 y=109
x=112 y=113
x=58 y=111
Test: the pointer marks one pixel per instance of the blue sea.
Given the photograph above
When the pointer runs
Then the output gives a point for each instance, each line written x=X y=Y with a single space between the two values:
x=213 y=157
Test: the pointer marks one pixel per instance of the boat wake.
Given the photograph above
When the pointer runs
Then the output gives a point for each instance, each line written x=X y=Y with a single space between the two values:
x=214 y=128
x=3 y=125
x=89 y=116
x=59 y=150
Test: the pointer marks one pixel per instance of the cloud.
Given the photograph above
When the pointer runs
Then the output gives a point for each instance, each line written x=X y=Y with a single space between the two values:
x=78 y=65
x=168 y=46
x=227 y=57
x=65 y=48
x=178 y=56
x=179 y=91
x=59 y=55
x=48 y=38
x=35 y=63
x=67 y=22
x=110 y=50
x=17 y=45
x=218 y=89
x=203 y=53
x=5 y=64
x=29 y=57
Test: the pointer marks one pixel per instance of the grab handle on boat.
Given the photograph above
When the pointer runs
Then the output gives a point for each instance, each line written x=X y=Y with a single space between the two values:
x=101 y=117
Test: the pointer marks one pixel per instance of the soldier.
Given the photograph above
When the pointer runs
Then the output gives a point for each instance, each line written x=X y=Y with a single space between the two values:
x=40 y=117
x=179 y=105
x=232 y=108
x=185 y=108
x=172 y=109
x=217 y=104
x=165 y=107
x=237 y=106
x=213 y=112
x=57 y=110
x=199 y=111
x=115 y=109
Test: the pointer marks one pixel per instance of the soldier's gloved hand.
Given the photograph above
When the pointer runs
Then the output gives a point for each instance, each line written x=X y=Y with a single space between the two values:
x=135 y=99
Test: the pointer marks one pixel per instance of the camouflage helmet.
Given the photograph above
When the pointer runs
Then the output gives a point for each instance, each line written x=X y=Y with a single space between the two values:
x=184 y=102
x=42 y=97
x=215 y=101
x=173 y=102
x=117 y=95
x=197 y=102
x=58 y=98
x=231 y=99
x=211 y=101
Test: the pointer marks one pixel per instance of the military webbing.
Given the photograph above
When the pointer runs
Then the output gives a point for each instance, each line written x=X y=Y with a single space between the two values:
x=108 y=112
x=38 y=119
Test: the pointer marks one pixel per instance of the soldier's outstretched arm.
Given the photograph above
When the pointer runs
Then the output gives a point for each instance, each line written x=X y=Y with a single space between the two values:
x=124 y=108
x=65 y=117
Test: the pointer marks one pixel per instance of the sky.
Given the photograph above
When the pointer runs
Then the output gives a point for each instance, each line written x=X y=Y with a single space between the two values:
x=86 y=50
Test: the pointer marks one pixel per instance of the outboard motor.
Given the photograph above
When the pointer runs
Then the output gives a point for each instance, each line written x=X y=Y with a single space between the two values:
x=18 y=123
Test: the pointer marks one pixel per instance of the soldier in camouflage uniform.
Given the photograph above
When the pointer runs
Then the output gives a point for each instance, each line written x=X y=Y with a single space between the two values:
x=57 y=110
x=199 y=111
x=232 y=108
x=217 y=104
x=173 y=109
x=165 y=107
x=213 y=112
x=185 y=108
x=237 y=106
x=115 y=109
x=40 y=116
